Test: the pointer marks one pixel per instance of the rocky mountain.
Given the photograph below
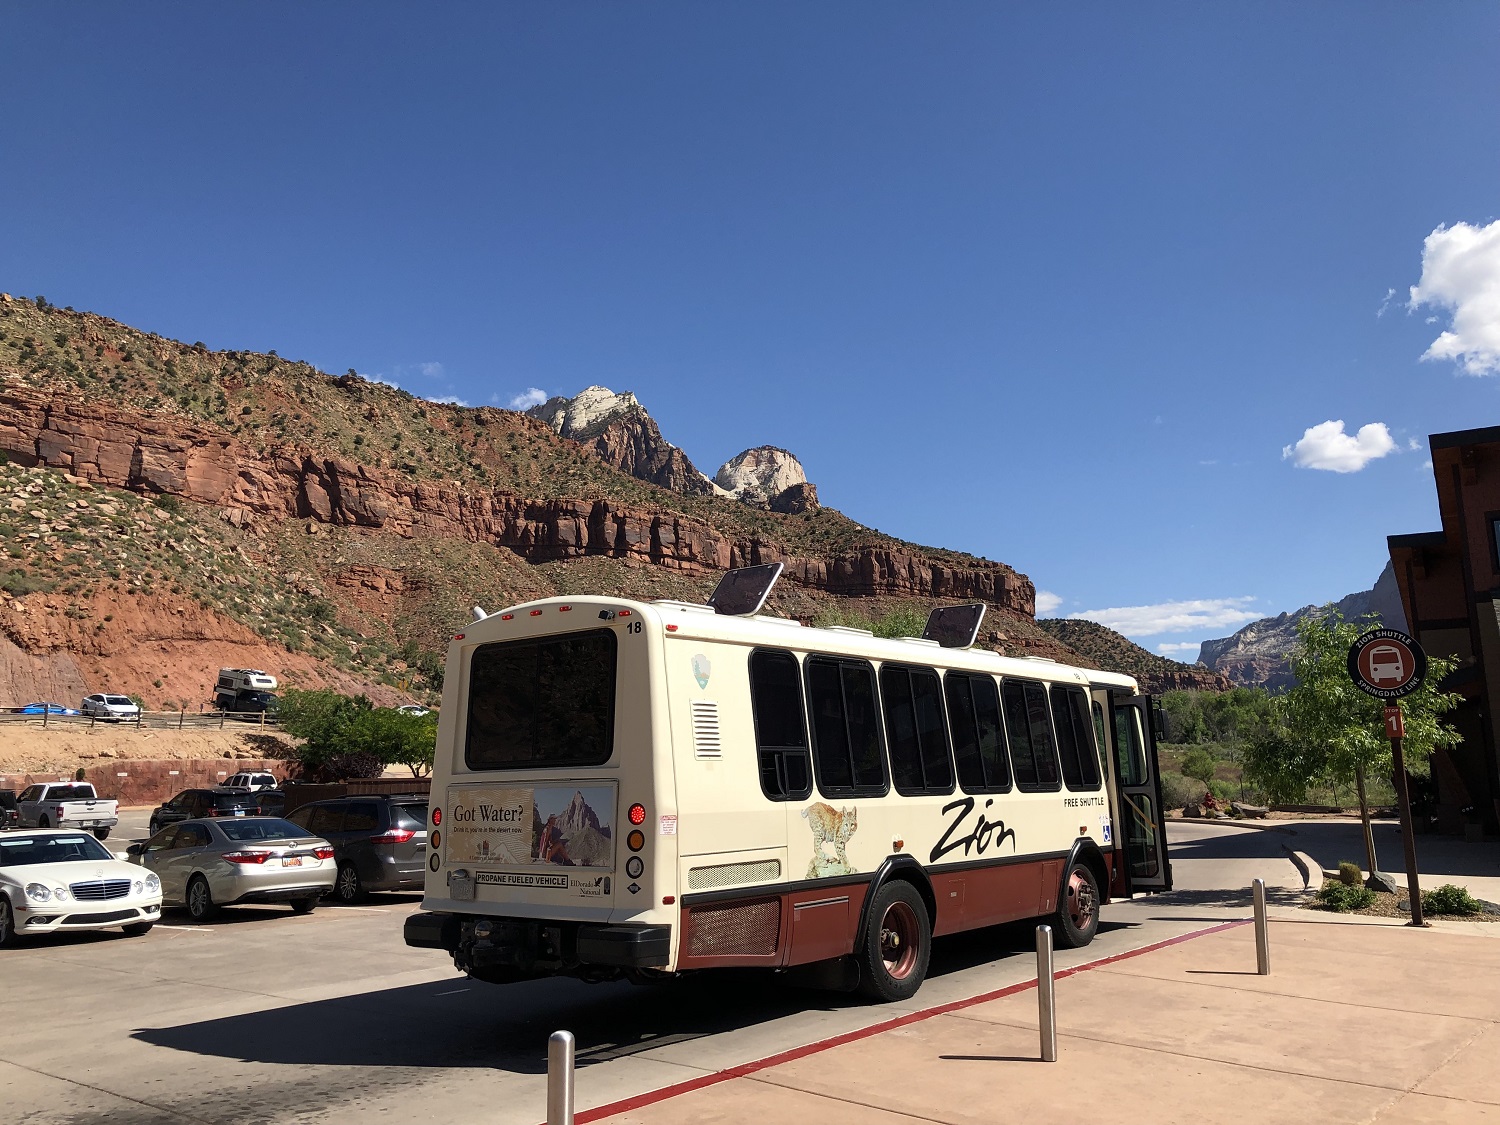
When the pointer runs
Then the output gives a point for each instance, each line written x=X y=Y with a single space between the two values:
x=1102 y=647
x=168 y=509
x=578 y=816
x=768 y=477
x=1258 y=655
x=618 y=429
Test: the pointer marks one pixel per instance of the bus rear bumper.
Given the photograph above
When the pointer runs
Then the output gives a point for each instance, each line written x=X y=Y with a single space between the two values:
x=529 y=949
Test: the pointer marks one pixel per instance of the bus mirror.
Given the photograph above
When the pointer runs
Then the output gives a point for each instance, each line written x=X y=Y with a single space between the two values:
x=1158 y=721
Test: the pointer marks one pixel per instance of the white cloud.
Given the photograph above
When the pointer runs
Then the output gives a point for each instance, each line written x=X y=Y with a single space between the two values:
x=531 y=396
x=1425 y=465
x=1385 y=302
x=1179 y=648
x=449 y=400
x=1046 y=602
x=1326 y=446
x=1461 y=273
x=1202 y=615
x=430 y=370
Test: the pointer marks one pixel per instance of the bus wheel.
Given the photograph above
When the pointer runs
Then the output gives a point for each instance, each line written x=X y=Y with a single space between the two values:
x=1077 y=918
x=894 y=949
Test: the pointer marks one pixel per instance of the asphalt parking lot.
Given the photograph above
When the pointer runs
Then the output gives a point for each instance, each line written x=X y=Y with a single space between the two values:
x=264 y=1016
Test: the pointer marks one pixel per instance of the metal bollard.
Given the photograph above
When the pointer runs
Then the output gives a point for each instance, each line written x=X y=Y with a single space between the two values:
x=1262 y=932
x=560 y=1078
x=1046 y=994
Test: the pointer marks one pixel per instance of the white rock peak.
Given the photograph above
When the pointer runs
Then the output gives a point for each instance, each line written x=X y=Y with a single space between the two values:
x=589 y=407
x=760 y=473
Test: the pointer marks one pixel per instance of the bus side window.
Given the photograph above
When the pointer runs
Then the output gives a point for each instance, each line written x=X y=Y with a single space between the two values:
x=780 y=731
x=848 y=756
x=1070 y=714
x=1029 y=729
x=978 y=733
x=913 y=708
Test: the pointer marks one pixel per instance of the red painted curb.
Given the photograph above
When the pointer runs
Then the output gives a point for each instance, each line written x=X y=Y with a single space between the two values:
x=653 y=1096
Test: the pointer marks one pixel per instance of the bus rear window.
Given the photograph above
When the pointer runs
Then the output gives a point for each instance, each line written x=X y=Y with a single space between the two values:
x=543 y=702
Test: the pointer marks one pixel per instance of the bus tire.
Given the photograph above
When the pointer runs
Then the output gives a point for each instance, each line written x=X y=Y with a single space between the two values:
x=1077 y=918
x=896 y=944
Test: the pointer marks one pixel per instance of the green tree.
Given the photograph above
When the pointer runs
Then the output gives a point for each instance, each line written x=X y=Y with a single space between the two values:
x=396 y=738
x=323 y=722
x=1327 y=729
x=1200 y=766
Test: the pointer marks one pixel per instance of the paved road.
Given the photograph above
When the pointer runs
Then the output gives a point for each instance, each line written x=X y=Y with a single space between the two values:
x=264 y=1016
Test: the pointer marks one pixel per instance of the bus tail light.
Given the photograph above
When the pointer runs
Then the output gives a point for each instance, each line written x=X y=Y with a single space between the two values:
x=636 y=840
x=437 y=816
x=637 y=813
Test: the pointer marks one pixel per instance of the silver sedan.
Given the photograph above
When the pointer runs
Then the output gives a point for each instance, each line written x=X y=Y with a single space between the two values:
x=208 y=863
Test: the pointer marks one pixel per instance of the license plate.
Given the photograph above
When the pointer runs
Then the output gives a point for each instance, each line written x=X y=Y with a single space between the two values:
x=291 y=861
x=89 y=823
x=239 y=812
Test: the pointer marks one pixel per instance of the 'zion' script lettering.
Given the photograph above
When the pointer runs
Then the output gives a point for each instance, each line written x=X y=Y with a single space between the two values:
x=984 y=833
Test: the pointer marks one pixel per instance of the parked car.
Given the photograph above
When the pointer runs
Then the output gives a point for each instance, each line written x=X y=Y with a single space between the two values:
x=67 y=804
x=380 y=842
x=66 y=880
x=10 y=812
x=116 y=707
x=272 y=802
x=206 y=864
x=414 y=709
x=192 y=804
x=249 y=780
x=44 y=709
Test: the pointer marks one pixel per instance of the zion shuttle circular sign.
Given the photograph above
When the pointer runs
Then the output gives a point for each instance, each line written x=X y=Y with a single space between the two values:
x=1387 y=664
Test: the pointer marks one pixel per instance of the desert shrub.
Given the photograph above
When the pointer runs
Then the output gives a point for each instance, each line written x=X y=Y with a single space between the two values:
x=1350 y=874
x=1199 y=765
x=1177 y=791
x=1343 y=898
x=1225 y=791
x=1450 y=899
x=342 y=767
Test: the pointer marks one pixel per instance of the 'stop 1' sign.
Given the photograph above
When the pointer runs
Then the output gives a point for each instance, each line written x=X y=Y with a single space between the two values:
x=1387 y=664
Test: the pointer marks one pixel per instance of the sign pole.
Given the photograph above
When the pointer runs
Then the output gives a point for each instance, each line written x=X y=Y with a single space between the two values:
x=1397 y=727
x=1388 y=664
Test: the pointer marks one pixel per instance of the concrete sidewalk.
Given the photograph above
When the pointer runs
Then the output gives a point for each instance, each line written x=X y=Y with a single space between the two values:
x=1363 y=1022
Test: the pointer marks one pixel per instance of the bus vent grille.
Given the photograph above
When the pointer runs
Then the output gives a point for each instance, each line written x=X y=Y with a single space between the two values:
x=706 y=742
x=733 y=874
x=748 y=929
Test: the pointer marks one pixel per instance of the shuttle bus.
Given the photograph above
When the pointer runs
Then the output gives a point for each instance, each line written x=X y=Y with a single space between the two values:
x=625 y=788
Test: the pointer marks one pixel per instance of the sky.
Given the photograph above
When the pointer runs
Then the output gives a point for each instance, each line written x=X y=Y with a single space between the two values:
x=1157 y=303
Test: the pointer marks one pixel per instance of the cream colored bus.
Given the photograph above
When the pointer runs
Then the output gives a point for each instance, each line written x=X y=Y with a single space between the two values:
x=637 y=789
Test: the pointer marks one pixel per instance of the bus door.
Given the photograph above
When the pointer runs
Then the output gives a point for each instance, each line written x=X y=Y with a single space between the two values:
x=1138 y=776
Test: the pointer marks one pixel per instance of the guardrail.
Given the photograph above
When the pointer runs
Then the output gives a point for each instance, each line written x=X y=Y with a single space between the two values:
x=150 y=720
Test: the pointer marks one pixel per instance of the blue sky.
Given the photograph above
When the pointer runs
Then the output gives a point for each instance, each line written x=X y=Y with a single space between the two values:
x=1080 y=288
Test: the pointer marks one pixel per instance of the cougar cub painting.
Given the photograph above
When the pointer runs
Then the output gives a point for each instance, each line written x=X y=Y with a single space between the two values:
x=830 y=826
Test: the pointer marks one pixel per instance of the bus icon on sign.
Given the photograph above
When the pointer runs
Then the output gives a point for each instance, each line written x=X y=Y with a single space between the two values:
x=1386 y=665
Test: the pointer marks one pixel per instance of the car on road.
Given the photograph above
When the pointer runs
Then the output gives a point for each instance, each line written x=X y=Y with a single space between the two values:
x=67 y=804
x=44 y=709
x=191 y=804
x=414 y=709
x=102 y=705
x=55 y=879
x=272 y=802
x=380 y=842
x=254 y=779
x=206 y=864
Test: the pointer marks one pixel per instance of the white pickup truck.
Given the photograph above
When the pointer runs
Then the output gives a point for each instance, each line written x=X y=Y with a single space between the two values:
x=67 y=804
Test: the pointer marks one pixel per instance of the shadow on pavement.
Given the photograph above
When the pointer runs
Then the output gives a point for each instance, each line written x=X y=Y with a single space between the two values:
x=464 y=1023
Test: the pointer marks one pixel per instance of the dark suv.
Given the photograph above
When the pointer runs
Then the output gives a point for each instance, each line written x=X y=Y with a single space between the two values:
x=10 y=812
x=190 y=804
x=380 y=842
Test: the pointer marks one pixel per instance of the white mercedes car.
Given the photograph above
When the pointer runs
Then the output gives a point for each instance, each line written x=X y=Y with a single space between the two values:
x=55 y=880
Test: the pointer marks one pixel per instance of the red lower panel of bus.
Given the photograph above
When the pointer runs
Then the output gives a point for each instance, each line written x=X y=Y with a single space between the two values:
x=817 y=923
